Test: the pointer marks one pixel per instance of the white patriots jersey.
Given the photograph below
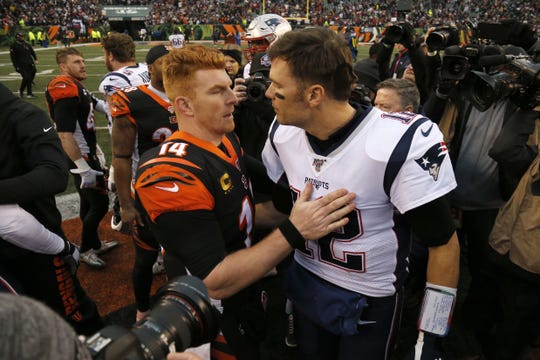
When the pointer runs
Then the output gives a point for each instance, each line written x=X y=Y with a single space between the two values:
x=388 y=160
x=124 y=77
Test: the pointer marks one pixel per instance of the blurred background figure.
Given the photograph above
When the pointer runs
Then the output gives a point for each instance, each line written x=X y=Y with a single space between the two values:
x=176 y=39
x=24 y=61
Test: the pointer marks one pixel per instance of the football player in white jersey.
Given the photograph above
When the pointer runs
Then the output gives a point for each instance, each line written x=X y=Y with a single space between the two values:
x=261 y=33
x=124 y=71
x=176 y=39
x=347 y=288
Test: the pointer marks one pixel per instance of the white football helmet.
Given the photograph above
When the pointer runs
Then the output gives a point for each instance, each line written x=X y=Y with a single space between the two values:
x=263 y=31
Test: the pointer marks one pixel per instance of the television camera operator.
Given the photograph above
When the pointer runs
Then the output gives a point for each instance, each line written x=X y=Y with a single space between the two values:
x=481 y=87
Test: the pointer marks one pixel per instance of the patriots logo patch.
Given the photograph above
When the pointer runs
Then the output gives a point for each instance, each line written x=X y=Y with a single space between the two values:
x=431 y=161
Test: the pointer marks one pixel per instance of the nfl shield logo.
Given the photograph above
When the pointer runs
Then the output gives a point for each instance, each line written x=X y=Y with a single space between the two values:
x=318 y=163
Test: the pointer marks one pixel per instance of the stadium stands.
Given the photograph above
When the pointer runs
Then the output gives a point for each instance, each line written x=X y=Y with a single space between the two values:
x=362 y=13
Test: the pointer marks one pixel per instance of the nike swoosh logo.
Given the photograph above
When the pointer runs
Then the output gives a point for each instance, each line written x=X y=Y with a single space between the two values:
x=172 y=189
x=365 y=322
x=47 y=129
x=426 y=133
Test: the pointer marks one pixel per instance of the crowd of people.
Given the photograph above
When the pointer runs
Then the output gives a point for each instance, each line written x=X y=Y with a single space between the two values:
x=422 y=13
x=364 y=209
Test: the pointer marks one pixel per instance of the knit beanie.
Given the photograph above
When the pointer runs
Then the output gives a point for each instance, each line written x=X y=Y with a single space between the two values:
x=235 y=54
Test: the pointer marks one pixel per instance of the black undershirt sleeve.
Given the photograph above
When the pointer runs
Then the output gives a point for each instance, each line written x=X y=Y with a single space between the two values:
x=194 y=237
x=257 y=173
x=432 y=223
x=282 y=199
x=65 y=110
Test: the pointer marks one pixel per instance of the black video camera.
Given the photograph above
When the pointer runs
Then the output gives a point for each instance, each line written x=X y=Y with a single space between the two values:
x=182 y=317
x=519 y=80
x=441 y=38
x=458 y=60
x=256 y=86
x=510 y=31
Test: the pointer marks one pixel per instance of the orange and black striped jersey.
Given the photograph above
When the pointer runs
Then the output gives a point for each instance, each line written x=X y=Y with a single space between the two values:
x=153 y=117
x=71 y=107
x=185 y=174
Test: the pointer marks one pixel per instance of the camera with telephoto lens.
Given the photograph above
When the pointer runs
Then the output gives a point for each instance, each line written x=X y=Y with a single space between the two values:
x=519 y=80
x=182 y=317
x=256 y=86
x=402 y=33
x=441 y=38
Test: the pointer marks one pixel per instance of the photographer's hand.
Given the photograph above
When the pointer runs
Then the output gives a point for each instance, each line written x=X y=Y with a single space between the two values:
x=240 y=89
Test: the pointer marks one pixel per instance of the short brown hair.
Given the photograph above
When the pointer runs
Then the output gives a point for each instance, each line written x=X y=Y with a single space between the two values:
x=120 y=45
x=62 y=54
x=317 y=55
x=179 y=67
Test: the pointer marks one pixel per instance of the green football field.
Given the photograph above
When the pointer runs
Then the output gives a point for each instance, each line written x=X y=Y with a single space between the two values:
x=95 y=67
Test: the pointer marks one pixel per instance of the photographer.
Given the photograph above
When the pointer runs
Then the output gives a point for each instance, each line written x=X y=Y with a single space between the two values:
x=472 y=119
x=254 y=113
x=515 y=251
x=411 y=52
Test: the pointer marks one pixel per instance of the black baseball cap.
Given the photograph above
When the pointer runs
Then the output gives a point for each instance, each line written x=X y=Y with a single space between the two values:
x=155 y=53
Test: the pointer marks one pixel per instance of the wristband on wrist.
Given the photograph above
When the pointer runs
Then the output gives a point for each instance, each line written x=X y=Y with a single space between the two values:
x=82 y=165
x=437 y=308
x=291 y=234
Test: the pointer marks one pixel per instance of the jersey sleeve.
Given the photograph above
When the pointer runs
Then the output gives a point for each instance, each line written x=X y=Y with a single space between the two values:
x=62 y=87
x=65 y=115
x=112 y=82
x=165 y=188
x=20 y=228
x=427 y=172
x=119 y=106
